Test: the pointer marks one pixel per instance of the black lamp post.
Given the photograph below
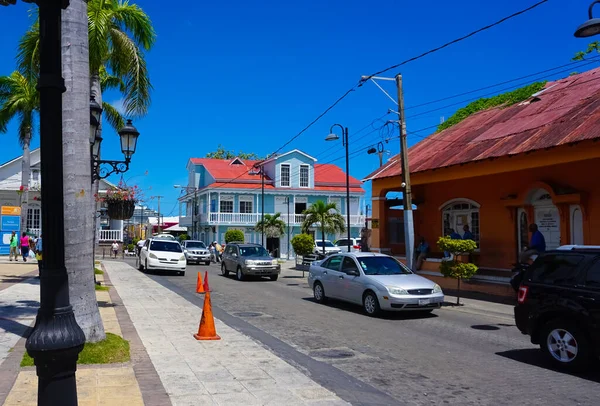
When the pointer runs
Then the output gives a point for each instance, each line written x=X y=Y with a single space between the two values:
x=56 y=339
x=335 y=137
x=590 y=27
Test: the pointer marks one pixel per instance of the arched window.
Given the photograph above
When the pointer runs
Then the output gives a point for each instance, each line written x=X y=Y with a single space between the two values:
x=458 y=213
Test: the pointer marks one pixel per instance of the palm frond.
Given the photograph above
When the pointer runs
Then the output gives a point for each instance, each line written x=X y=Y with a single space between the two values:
x=108 y=81
x=128 y=62
x=131 y=18
x=113 y=116
x=99 y=22
x=28 y=51
x=18 y=98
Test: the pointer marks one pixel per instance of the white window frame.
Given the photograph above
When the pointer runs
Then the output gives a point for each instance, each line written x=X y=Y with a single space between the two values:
x=246 y=199
x=338 y=201
x=473 y=207
x=226 y=198
x=307 y=176
x=34 y=212
x=289 y=180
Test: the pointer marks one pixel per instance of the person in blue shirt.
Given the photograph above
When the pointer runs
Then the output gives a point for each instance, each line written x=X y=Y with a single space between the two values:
x=454 y=235
x=537 y=244
x=468 y=235
x=421 y=253
x=38 y=254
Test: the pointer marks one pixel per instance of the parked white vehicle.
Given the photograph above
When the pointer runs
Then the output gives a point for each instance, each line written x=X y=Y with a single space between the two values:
x=165 y=236
x=342 y=243
x=330 y=248
x=162 y=254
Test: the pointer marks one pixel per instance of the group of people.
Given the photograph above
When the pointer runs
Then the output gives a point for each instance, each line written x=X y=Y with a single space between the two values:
x=537 y=245
x=216 y=251
x=23 y=246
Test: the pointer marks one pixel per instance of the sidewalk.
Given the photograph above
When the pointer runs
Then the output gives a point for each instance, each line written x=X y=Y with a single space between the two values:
x=110 y=384
x=235 y=370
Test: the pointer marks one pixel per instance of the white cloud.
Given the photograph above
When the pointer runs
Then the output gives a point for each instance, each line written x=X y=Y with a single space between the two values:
x=119 y=105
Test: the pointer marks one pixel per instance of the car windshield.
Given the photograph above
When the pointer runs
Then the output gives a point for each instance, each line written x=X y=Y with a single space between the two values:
x=165 y=246
x=195 y=244
x=382 y=266
x=253 y=252
x=324 y=243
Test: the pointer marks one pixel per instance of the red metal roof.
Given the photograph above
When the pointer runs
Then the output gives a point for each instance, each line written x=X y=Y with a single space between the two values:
x=327 y=177
x=566 y=111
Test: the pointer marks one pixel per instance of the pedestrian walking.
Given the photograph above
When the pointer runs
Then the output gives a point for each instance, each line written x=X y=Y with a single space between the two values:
x=38 y=254
x=218 y=251
x=115 y=248
x=14 y=243
x=24 y=246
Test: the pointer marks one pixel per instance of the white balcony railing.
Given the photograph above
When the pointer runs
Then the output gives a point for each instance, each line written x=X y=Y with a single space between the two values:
x=34 y=231
x=253 y=218
x=110 y=235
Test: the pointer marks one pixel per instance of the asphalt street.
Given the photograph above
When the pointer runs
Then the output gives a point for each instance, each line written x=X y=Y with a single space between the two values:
x=450 y=357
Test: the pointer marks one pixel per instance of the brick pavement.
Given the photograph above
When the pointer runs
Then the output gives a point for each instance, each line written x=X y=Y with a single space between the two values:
x=233 y=371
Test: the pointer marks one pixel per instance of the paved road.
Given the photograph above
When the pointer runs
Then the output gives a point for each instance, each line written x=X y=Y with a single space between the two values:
x=451 y=357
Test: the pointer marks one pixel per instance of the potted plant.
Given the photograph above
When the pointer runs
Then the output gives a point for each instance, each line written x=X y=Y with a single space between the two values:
x=458 y=267
x=120 y=201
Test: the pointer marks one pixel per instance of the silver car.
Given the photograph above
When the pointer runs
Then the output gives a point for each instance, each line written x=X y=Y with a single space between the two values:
x=196 y=251
x=375 y=281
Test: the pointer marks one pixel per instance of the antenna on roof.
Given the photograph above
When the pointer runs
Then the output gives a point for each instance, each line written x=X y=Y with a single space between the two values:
x=442 y=119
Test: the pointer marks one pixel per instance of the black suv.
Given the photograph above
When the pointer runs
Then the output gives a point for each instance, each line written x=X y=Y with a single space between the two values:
x=558 y=305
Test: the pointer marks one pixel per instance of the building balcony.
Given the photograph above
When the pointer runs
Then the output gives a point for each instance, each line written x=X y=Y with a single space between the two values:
x=250 y=219
x=110 y=235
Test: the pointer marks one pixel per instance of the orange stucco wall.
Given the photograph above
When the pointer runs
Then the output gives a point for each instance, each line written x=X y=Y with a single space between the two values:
x=499 y=195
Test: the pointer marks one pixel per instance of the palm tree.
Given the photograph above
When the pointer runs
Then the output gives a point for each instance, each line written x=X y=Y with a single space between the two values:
x=327 y=216
x=272 y=225
x=19 y=99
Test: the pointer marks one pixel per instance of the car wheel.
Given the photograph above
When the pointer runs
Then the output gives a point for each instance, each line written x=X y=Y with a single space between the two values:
x=565 y=345
x=371 y=304
x=274 y=277
x=146 y=266
x=319 y=293
x=140 y=266
x=207 y=263
x=224 y=270
x=239 y=274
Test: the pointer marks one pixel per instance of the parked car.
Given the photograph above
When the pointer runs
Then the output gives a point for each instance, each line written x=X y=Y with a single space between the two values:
x=375 y=281
x=163 y=254
x=342 y=243
x=330 y=248
x=196 y=251
x=558 y=305
x=249 y=260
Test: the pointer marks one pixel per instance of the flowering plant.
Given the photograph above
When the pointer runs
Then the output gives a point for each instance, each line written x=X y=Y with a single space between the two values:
x=120 y=193
x=22 y=190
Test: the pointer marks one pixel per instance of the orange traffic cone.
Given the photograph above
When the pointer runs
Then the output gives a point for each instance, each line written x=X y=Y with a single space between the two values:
x=206 y=287
x=207 y=330
x=199 y=285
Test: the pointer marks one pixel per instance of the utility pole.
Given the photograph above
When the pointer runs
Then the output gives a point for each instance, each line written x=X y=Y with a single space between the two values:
x=262 y=202
x=158 y=228
x=287 y=201
x=409 y=235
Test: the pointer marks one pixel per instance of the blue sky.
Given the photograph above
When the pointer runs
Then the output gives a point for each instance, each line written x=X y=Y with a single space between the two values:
x=250 y=75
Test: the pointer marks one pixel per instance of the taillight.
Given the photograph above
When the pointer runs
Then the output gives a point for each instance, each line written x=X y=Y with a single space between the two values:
x=523 y=290
x=356 y=247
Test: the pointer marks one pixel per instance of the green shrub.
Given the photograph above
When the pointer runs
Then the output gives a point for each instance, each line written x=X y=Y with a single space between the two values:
x=234 y=235
x=131 y=247
x=135 y=241
x=455 y=268
x=303 y=244
x=184 y=237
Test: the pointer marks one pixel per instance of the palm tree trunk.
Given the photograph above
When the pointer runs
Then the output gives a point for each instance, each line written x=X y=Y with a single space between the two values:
x=96 y=91
x=77 y=185
x=323 y=235
x=25 y=174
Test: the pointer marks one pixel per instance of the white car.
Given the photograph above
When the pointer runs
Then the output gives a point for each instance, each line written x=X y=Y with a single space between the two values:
x=165 y=236
x=163 y=254
x=330 y=248
x=342 y=243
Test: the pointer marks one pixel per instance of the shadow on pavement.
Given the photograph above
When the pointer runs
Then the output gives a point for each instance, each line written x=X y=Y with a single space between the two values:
x=490 y=327
x=534 y=357
x=399 y=315
x=20 y=279
x=10 y=316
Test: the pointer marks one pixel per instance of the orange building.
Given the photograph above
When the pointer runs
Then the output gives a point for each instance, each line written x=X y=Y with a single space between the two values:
x=499 y=170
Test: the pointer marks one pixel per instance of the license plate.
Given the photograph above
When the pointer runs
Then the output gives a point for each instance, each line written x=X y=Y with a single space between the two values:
x=423 y=302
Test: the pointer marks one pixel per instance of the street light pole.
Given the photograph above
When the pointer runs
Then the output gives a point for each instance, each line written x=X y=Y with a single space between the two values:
x=409 y=233
x=287 y=200
x=334 y=137
x=56 y=339
x=262 y=202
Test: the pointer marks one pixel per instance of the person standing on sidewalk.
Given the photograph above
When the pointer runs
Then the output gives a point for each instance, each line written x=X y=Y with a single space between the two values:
x=14 y=242
x=115 y=248
x=24 y=246
x=38 y=254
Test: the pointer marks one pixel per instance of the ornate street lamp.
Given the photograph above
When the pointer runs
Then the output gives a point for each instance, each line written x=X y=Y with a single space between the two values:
x=102 y=169
x=590 y=27
x=335 y=137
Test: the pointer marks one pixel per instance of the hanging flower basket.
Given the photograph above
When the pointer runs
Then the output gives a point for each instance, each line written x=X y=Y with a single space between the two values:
x=120 y=209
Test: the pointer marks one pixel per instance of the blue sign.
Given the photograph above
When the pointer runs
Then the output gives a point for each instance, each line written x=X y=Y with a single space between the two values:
x=10 y=223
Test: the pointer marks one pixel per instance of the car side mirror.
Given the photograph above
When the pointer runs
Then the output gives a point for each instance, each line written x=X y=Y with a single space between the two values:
x=145 y=248
x=353 y=272
x=234 y=255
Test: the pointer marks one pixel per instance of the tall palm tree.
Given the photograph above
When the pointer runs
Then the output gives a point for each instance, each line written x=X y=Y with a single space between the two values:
x=326 y=216
x=19 y=99
x=272 y=225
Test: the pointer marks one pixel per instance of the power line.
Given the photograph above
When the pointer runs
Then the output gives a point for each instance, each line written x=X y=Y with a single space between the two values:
x=487 y=27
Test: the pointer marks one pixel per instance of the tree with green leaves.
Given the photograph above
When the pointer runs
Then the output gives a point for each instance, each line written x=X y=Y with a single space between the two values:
x=234 y=235
x=325 y=216
x=222 y=153
x=20 y=100
x=272 y=225
x=303 y=244
x=455 y=267
x=592 y=47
